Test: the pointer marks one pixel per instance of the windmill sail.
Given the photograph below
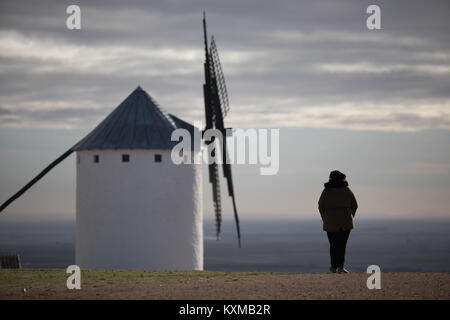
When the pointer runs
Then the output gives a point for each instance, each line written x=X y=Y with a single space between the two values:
x=216 y=108
x=220 y=79
x=36 y=179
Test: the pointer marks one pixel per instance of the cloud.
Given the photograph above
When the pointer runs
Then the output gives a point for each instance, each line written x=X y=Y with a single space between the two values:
x=52 y=115
x=295 y=64
x=355 y=116
x=49 y=56
x=367 y=67
x=348 y=38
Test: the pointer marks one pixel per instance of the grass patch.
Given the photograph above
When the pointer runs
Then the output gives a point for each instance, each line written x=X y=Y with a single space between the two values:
x=25 y=277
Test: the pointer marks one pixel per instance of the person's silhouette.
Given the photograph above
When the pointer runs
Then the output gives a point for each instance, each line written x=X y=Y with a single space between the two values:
x=337 y=207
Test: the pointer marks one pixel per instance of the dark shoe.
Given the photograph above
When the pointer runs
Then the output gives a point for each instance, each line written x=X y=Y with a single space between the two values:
x=332 y=270
x=342 y=270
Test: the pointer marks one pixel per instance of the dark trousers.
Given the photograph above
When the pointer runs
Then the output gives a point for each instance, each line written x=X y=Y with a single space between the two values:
x=338 y=242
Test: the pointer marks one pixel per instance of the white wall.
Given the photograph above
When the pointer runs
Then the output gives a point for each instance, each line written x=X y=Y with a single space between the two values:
x=140 y=214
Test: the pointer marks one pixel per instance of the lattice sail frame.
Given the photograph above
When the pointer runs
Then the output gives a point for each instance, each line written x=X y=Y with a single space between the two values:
x=218 y=73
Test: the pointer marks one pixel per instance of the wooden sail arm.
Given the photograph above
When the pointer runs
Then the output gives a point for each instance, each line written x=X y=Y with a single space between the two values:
x=36 y=179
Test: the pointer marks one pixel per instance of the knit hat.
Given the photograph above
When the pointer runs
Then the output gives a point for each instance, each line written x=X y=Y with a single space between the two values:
x=337 y=175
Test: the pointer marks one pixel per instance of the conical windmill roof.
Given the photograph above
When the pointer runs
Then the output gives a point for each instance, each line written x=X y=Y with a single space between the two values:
x=137 y=123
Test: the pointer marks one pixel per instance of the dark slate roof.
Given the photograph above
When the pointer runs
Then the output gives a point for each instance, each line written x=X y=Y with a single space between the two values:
x=137 y=123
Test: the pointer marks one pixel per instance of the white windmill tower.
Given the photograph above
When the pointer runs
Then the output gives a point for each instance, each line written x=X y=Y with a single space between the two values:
x=135 y=208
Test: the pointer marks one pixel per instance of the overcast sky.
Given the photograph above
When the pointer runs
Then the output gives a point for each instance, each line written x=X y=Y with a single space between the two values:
x=375 y=104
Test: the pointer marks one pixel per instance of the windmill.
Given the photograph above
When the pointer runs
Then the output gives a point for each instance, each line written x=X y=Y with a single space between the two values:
x=216 y=108
x=132 y=197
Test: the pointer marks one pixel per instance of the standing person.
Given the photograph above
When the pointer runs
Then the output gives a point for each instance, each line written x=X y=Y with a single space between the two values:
x=337 y=207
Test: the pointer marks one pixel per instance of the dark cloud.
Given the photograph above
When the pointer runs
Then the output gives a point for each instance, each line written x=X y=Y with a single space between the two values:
x=280 y=60
x=5 y=112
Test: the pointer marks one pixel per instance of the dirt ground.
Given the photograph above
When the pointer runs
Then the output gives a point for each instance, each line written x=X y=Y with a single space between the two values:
x=51 y=284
